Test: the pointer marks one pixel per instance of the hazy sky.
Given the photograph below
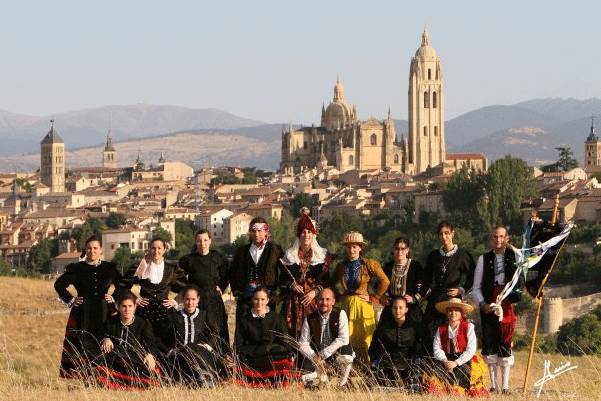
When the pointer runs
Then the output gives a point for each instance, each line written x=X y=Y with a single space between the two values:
x=278 y=60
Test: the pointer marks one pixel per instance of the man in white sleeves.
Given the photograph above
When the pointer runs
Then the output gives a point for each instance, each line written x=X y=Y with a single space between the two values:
x=324 y=341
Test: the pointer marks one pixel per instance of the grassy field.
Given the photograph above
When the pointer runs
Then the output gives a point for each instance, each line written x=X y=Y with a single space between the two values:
x=32 y=325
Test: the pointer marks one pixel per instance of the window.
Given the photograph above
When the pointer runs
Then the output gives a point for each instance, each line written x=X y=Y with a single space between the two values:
x=436 y=131
x=434 y=100
x=396 y=159
x=305 y=145
x=425 y=131
x=429 y=74
x=373 y=139
x=351 y=160
x=426 y=100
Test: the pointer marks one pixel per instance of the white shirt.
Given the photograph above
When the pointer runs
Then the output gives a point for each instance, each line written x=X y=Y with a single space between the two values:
x=256 y=252
x=470 y=349
x=479 y=272
x=156 y=272
x=304 y=341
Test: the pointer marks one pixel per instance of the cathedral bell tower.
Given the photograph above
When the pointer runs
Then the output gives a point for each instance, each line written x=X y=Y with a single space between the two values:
x=52 y=163
x=426 y=109
x=109 y=154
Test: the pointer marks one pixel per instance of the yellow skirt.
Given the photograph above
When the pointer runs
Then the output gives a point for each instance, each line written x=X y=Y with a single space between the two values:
x=362 y=324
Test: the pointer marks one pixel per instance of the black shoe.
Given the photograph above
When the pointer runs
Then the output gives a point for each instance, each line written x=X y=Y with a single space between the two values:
x=493 y=390
x=506 y=391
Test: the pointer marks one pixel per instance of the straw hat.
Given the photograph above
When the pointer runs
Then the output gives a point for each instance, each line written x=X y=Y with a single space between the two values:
x=454 y=303
x=354 y=237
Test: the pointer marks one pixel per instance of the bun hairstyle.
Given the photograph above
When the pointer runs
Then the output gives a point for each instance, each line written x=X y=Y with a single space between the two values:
x=126 y=296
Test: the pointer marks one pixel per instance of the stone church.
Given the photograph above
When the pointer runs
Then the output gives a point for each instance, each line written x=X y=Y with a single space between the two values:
x=346 y=143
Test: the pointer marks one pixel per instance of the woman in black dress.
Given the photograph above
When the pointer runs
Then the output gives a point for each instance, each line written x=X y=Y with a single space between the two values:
x=262 y=346
x=394 y=347
x=406 y=277
x=90 y=308
x=449 y=273
x=156 y=278
x=128 y=350
x=192 y=359
x=208 y=270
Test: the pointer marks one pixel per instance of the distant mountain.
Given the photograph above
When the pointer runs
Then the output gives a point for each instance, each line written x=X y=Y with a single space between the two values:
x=483 y=122
x=564 y=109
x=22 y=133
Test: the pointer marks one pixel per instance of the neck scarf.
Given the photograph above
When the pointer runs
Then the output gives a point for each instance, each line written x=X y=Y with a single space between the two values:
x=398 y=282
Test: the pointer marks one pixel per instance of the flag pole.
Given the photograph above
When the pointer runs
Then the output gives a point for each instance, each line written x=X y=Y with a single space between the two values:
x=539 y=298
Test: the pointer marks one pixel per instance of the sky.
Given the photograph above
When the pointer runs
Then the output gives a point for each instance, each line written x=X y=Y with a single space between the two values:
x=277 y=61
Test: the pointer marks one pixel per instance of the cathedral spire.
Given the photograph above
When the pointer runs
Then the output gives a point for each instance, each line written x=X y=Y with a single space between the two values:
x=592 y=136
x=425 y=37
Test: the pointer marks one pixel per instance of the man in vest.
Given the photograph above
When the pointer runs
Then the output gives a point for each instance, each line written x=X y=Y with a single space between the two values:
x=324 y=340
x=255 y=265
x=493 y=270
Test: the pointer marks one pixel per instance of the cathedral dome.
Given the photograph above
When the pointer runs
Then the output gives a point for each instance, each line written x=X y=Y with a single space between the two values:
x=425 y=51
x=338 y=114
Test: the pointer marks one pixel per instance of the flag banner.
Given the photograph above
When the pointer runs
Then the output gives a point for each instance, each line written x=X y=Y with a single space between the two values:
x=534 y=262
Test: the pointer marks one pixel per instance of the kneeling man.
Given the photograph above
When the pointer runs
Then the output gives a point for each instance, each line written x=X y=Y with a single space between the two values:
x=324 y=341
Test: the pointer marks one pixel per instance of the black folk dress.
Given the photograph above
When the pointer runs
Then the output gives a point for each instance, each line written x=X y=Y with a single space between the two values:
x=209 y=272
x=86 y=322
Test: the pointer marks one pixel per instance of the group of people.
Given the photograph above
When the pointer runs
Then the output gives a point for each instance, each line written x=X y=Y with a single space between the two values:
x=300 y=317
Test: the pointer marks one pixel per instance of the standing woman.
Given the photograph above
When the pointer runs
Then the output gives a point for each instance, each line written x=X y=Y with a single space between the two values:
x=306 y=272
x=90 y=308
x=208 y=270
x=156 y=278
x=354 y=276
x=406 y=277
x=449 y=273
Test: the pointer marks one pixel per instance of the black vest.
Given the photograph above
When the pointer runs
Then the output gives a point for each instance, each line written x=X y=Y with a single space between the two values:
x=488 y=273
x=314 y=321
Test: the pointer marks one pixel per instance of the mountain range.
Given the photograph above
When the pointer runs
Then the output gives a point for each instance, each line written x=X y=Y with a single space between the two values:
x=530 y=130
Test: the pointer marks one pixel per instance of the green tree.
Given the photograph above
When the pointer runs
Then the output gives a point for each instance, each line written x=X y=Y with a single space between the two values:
x=115 y=220
x=300 y=200
x=283 y=232
x=229 y=249
x=565 y=161
x=160 y=232
x=6 y=268
x=184 y=232
x=92 y=226
x=509 y=183
x=582 y=335
x=40 y=256
x=124 y=258
x=462 y=196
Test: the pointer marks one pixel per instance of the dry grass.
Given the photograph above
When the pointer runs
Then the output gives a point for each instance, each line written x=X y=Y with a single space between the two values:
x=31 y=332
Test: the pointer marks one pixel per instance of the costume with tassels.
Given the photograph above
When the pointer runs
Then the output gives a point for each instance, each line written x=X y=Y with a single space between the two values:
x=308 y=269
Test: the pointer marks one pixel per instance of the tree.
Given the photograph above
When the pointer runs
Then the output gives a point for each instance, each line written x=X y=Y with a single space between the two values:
x=6 y=268
x=509 y=183
x=565 y=162
x=160 y=232
x=40 y=256
x=92 y=226
x=184 y=232
x=581 y=336
x=300 y=200
x=462 y=196
x=283 y=232
x=115 y=220
x=124 y=258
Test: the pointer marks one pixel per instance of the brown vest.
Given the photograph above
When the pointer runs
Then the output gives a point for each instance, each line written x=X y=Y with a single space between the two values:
x=314 y=321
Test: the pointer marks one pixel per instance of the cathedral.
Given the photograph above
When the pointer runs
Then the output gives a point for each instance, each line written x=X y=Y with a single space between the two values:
x=346 y=143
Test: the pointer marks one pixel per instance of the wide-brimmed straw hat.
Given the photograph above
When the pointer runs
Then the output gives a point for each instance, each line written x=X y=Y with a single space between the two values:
x=454 y=303
x=353 y=237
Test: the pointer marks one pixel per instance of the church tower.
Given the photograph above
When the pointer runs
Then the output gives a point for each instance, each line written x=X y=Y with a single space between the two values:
x=426 y=109
x=109 y=154
x=52 y=163
x=592 y=150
